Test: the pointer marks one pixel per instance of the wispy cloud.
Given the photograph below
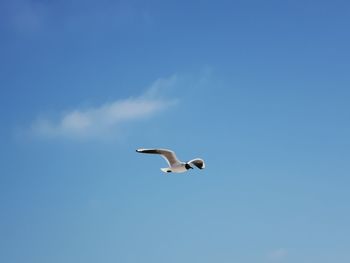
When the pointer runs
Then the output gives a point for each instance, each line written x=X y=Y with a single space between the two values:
x=102 y=121
x=277 y=255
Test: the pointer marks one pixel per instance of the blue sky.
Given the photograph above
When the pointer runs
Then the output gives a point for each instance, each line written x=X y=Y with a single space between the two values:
x=259 y=89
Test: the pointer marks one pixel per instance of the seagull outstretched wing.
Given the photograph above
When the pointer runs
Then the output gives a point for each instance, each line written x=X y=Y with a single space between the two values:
x=199 y=163
x=168 y=155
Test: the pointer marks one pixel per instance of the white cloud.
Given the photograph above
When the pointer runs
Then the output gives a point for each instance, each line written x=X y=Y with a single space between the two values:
x=104 y=120
x=277 y=255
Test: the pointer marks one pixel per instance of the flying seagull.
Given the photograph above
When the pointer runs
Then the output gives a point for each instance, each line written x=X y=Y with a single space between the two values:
x=175 y=165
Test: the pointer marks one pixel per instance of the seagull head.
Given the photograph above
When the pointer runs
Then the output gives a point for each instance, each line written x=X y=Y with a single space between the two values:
x=188 y=166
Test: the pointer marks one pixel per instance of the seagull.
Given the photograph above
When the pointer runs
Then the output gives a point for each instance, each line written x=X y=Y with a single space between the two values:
x=175 y=165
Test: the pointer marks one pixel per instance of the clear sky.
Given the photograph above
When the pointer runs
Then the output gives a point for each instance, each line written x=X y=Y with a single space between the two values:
x=259 y=89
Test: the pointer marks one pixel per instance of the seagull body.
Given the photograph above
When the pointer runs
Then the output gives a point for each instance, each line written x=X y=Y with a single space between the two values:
x=175 y=165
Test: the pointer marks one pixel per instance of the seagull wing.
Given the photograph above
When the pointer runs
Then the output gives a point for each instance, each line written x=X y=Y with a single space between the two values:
x=199 y=163
x=168 y=155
